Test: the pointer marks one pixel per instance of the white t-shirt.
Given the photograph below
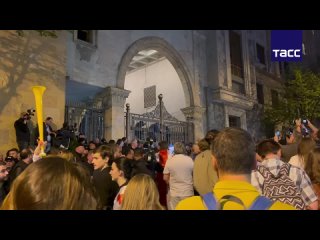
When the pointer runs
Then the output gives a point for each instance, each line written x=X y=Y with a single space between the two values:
x=180 y=168
x=119 y=198
x=297 y=161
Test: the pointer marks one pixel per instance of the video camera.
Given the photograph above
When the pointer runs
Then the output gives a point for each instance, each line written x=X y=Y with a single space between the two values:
x=30 y=112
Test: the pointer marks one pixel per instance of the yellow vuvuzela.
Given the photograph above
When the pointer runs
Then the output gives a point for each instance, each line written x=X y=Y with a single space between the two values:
x=38 y=93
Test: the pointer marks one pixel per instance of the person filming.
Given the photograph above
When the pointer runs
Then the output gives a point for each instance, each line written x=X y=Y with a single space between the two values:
x=22 y=131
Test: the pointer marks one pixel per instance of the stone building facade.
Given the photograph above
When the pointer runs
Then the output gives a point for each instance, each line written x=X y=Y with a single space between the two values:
x=220 y=72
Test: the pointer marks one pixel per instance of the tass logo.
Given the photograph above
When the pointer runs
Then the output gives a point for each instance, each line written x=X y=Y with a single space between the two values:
x=286 y=45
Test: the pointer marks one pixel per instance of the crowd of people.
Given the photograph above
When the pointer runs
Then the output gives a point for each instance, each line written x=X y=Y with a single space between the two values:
x=226 y=169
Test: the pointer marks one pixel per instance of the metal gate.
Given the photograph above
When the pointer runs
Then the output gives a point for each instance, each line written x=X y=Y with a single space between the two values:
x=158 y=125
x=86 y=118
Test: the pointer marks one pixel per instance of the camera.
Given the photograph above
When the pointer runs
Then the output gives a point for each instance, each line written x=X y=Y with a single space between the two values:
x=277 y=133
x=31 y=111
x=305 y=121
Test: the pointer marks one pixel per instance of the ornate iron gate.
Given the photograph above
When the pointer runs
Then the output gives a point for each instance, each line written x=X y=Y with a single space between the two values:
x=158 y=125
x=86 y=118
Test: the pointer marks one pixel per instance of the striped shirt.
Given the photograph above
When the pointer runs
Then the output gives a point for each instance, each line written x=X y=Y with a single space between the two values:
x=297 y=175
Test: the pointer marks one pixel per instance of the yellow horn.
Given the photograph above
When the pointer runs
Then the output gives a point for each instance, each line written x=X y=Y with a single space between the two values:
x=38 y=93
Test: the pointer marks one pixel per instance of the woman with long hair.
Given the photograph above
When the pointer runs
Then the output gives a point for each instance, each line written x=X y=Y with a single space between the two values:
x=141 y=194
x=312 y=168
x=52 y=183
x=304 y=148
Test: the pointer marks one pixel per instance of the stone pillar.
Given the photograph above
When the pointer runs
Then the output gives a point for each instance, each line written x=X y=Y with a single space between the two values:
x=113 y=102
x=194 y=117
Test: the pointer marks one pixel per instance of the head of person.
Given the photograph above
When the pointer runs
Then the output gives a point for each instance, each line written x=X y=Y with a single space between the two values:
x=304 y=147
x=163 y=145
x=97 y=141
x=116 y=150
x=25 y=116
x=211 y=135
x=134 y=144
x=141 y=194
x=127 y=152
x=92 y=145
x=195 y=148
x=203 y=145
x=233 y=152
x=102 y=157
x=26 y=155
x=268 y=147
x=49 y=120
x=51 y=184
x=312 y=165
x=90 y=156
x=13 y=152
x=138 y=153
x=4 y=173
x=80 y=150
x=121 y=169
x=179 y=148
x=10 y=162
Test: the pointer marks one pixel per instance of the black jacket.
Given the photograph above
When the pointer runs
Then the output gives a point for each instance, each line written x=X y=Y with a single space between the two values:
x=45 y=133
x=22 y=130
x=17 y=170
x=105 y=187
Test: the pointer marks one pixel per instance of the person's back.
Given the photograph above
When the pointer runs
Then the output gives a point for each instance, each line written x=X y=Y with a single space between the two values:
x=281 y=181
x=204 y=175
x=239 y=189
x=178 y=173
x=233 y=156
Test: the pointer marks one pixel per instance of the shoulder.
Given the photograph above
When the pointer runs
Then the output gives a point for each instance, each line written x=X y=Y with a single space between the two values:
x=191 y=203
x=281 y=206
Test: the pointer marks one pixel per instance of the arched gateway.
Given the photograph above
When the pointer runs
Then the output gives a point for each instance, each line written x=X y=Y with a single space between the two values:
x=112 y=99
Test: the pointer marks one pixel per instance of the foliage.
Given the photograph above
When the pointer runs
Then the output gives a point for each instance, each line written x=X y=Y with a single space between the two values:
x=300 y=99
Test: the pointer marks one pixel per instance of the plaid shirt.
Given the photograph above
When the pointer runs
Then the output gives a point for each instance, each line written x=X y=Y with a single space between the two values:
x=298 y=175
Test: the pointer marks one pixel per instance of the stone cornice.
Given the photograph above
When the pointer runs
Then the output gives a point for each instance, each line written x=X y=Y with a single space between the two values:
x=194 y=112
x=226 y=96
x=114 y=97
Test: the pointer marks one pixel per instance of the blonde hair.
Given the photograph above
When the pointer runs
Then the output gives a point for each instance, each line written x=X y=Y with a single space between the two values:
x=304 y=148
x=51 y=184
x=312 y=166
x=141 y=194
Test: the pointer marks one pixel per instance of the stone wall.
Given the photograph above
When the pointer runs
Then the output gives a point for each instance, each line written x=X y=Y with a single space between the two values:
x=25 y=62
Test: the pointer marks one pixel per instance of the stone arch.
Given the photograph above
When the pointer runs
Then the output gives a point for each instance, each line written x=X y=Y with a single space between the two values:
x=165 y=49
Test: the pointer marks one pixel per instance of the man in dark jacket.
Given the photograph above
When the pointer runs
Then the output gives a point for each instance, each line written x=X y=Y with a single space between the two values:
x=3 y=177
x=26 y=159
x=22 y=131
x=102 y=181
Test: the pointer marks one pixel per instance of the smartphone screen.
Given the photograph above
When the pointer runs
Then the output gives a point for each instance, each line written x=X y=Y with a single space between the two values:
x=171 y=149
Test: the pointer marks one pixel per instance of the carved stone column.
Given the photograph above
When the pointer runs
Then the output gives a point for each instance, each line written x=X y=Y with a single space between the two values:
x=113 y=102
x=194 y=116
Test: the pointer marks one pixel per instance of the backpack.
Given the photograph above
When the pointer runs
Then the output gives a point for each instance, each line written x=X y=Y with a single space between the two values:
x=281 y=188
x=260 y=203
